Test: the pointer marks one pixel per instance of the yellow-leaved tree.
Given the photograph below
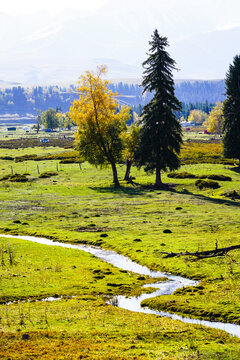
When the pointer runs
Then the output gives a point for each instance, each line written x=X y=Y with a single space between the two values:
x=214 y=122
x=197 y=116
x=99 y=121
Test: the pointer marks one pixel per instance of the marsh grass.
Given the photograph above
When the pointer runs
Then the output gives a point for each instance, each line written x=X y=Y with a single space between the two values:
x=7 y=254
x=40 y=272
x=87 y=327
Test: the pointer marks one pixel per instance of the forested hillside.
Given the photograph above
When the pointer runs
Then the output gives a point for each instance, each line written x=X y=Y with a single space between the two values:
x=22 y=101
x=192 y=91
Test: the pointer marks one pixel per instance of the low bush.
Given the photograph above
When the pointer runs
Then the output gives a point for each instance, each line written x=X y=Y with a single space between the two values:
x=71 y=161
x=186 y=175
x=73 y=155
x=60 y=156
x=203 y=153
x=6 y=158
x=15 y=178
x=182 y=175
x=25 y=158
x=215 y=177
x=201 y=184
x=48 y=174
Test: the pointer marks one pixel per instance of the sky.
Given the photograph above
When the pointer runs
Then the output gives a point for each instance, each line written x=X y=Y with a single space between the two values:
x=217 y=8
x=22 y=7
x=225 y=12
x=79 y=34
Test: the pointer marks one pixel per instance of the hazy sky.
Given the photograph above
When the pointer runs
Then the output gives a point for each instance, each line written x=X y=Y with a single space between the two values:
x=224 y=12
x=217 y=8
x=17 y=7
x=203 y=36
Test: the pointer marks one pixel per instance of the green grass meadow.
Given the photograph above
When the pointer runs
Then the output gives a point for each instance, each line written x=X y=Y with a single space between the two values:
x=79 y=205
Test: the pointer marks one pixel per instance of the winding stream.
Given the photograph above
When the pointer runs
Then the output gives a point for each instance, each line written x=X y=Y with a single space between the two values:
x=134 y=303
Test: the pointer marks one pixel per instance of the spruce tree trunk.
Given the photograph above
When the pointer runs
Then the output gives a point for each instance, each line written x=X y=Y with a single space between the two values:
x=115 y=176
x=158 y=182
x=128 y=169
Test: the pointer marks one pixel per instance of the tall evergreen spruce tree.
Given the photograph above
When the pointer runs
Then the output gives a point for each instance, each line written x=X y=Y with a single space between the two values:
x=231 y=111
x=160 y=134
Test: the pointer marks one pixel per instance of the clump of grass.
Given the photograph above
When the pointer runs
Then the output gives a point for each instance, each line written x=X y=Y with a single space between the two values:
x=48 y=174
x=210 y=184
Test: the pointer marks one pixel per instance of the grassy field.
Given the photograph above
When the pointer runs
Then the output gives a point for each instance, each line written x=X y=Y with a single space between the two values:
x=78 y=206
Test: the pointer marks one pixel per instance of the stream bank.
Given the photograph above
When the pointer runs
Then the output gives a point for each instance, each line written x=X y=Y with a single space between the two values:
x=134 y=303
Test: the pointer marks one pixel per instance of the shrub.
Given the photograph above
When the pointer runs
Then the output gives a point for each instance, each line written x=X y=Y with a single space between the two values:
x=207 y=184
x=71 y=161
x=25 y=158
x=74 y=155
x=6 y=177
x=6 y=158
x=215 y=177
x=202 y=152
x=15 y=178
x=48 y=174
x=182 y=175
x=60 y=156
x=219 y=177
x=186 y=175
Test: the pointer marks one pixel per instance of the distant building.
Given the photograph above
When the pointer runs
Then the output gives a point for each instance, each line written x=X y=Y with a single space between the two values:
x=187 y=124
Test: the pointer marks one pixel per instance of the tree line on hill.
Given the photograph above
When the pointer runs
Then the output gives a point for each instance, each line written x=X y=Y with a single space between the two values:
x=200 y=95
x=193 y=91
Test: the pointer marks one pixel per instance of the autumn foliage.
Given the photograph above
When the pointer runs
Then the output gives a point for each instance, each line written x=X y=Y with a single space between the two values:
x=100 y=123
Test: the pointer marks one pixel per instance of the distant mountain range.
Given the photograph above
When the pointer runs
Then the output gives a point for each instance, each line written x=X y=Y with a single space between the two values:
x=42 y=48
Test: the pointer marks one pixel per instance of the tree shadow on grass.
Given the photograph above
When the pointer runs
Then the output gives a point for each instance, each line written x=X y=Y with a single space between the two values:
x=130 y=191
x=236 y=169
x=218 y=201
x=139 y=189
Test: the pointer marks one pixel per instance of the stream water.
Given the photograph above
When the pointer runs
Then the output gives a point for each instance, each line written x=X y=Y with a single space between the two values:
x=134 y=303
